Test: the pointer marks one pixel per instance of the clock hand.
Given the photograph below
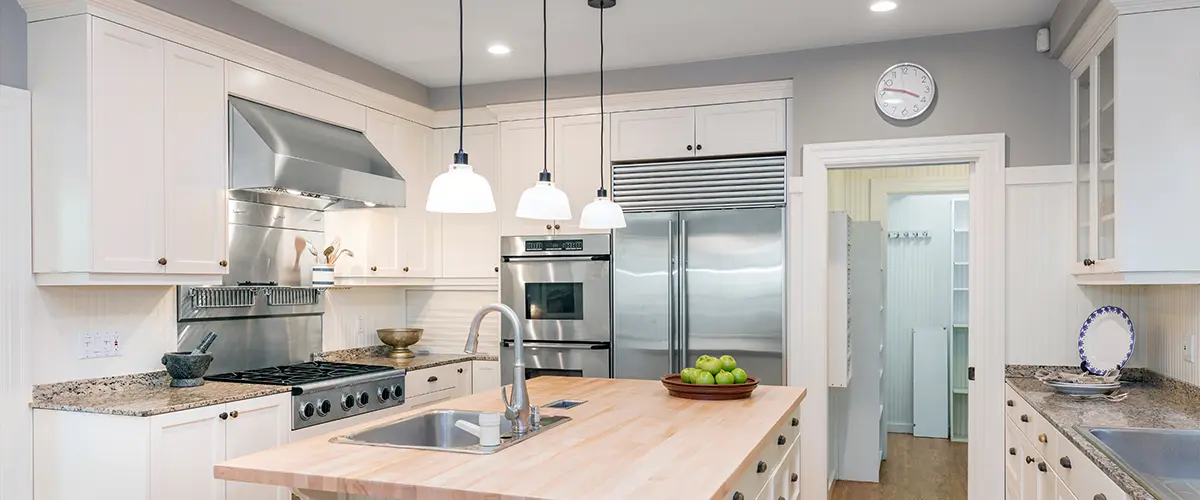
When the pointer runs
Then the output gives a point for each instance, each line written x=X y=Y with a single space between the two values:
x=902 y=91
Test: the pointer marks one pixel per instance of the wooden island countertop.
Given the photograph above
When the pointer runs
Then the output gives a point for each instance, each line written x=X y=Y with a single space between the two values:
x=630 y=440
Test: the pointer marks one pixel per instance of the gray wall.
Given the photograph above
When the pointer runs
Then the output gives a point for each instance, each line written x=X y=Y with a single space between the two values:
x=989 y=81
x=1068 y=18
x=13 y=45
x=241 y=22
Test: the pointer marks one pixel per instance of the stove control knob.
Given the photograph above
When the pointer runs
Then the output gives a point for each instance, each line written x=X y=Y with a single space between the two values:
x=348 y=401
x=397 y=391
x=384 y=393
x=363 y=398
x=324 y=407
x=307 y=410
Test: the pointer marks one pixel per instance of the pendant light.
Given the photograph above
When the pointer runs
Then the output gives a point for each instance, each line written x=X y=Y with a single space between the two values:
x=602 y=213
x=544 y=201
x=460 y=190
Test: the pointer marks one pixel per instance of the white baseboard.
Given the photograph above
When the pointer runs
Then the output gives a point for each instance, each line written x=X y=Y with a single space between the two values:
x=900 y=428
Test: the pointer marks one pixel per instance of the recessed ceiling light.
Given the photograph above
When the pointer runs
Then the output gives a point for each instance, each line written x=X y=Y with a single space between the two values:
x=883 y=6
x=499 y=49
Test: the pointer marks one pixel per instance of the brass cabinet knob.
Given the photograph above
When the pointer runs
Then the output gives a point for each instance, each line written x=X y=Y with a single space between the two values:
x=224 y=263
x=1100 y=496
x=1025 y=418
x=795 y=477
x=497 y=269
x=374 y=268
x=556 y=226
x=762 y=467
x=699 y=147
x=1012 y=451
x=233 y=414
x=549 y=227
x=162 y=261
x=782 y=441
x=1042 y=466
x=1089 y=262
x=1011 y=403
x=460 y=370
x=689 y=147
x=223 y=416
x=737 y=495
x=406 y=269
x=795 y=422
x=1065 y=462
x=1028 y=459
x=432 y=379
x=1043 y=439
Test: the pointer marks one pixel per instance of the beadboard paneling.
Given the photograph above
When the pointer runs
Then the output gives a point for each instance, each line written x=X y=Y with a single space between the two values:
x=1168 y=315
x=446 y=316
x=850 y=188
x=379 y=307
x=16 y=288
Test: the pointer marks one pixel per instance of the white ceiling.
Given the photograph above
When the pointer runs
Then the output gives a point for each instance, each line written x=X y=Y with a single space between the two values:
x=419 y=38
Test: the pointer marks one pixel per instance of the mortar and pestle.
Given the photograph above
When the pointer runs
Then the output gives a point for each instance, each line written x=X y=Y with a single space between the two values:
x=187 y=368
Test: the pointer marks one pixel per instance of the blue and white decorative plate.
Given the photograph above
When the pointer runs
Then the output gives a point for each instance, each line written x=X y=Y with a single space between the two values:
x=1106 y=340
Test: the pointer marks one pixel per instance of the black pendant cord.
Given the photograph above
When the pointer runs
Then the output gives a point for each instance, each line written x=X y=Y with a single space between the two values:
x=460 y=158
x=601 y=193
x=545 y=175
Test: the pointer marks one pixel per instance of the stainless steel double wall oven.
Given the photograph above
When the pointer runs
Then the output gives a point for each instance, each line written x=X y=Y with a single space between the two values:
x=560 y=287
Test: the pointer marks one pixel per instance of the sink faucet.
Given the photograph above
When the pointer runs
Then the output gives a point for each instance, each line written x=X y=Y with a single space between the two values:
x=518 y=410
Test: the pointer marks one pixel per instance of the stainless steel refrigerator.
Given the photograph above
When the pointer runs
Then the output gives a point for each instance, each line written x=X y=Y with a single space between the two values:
x=694 y=282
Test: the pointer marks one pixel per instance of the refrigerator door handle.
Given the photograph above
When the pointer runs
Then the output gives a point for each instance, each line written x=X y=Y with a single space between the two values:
x=672 y=341
x=683 y=290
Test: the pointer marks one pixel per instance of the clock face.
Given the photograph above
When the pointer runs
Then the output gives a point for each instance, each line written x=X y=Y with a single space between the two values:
x=905 y=91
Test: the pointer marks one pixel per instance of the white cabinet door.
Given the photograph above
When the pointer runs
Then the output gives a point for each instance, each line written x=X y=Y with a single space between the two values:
x=659 y=133
x=485 y=376
x=127 y=150
x=577 y=161
x=470 y=242
x=1014 y=460
x=521 y=153
x=1061 y=492
x=195 y=167
x=402 y=240
x=256 y=425
x=741 y=128
x=184 y=447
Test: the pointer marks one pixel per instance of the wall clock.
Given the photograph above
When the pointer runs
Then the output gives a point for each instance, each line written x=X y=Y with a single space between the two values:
x=905 y=91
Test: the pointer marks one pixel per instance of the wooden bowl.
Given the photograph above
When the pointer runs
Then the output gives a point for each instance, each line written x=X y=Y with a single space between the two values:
x=676 y=387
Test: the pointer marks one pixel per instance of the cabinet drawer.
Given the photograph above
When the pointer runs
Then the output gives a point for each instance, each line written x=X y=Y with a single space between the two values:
x=752 y=482
x=1020 y=412
x=782 y=485
x=1083 y=478
x=440 y=378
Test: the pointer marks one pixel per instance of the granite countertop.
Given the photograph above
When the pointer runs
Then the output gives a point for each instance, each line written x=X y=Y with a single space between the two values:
x=377 y=356
x=1154 y=402
x=141 y=395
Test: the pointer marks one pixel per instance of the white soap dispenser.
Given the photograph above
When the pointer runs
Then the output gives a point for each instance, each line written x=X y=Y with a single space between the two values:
x=488 y=429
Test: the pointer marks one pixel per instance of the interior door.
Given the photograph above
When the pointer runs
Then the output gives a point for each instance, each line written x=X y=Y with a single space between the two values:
x=732 y=288
x=643 y=289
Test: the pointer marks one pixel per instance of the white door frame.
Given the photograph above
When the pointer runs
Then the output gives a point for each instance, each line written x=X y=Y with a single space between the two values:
x=986 y=155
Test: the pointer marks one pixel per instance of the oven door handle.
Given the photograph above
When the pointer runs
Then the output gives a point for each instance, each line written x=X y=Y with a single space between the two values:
x=557 y=258
x=548 y=345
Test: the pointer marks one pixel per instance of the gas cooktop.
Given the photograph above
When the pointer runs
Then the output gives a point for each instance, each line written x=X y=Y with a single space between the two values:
x=297 y=374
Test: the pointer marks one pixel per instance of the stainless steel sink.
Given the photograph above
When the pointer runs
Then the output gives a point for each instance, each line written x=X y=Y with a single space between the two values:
x=1165 y=461
x=435 y=430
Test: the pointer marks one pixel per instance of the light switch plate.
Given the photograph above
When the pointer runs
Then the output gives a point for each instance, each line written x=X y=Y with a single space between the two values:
x=99 y=344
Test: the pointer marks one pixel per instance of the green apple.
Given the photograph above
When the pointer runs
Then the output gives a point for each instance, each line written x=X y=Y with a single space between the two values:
x=704 y=378
x=728 y=363
x=688 y=375
x=711 y=365
x=724 y=378
x=739 y=376
x=702 y=358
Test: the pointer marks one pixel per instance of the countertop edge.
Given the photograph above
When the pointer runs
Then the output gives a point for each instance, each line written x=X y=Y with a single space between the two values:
x=1110 y=468
x=731 y=481
x=80 y=408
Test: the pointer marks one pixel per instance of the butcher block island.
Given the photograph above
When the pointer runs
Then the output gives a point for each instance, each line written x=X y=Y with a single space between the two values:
x=629 y=440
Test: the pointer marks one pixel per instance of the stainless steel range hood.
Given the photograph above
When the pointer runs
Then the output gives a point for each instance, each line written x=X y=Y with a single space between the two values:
x=272 y=150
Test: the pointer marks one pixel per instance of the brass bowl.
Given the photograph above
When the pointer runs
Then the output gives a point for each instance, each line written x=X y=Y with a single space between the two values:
x=399 y=339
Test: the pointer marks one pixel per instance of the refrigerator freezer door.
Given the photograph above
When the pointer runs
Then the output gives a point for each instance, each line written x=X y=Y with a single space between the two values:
x=733 y=288
x=643 y=303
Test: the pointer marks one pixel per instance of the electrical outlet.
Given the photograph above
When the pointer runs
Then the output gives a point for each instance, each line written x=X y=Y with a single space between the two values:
x=1189 y=348
x=358 y=324
x=99 y=344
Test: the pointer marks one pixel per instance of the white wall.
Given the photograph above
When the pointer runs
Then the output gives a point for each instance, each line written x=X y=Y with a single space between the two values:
x=918 y=292
x=446 y=316
x=1167 y=316
x=378 y=307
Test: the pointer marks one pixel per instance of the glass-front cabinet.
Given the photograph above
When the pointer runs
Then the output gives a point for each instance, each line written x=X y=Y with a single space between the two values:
x=1095 y=159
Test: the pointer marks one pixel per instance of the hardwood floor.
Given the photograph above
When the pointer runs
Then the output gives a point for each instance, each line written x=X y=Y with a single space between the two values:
x=916 y=469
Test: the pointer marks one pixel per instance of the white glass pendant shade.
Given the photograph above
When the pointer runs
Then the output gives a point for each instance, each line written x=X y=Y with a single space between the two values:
x=602 y=214
x=544 y=201
x=460 y=190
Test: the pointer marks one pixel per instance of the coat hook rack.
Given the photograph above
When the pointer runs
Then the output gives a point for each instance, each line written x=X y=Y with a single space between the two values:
x=908 y=235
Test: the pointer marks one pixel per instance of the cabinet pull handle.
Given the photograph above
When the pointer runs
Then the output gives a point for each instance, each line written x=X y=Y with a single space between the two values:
x=782 y=441
x=233 y=414
x=1100 y=496
x=737 y=495
x=162 y=261
x=1012 y=451
x=1042 y=466
x=1010 y=403
x=795 y=477
x=224 y=263
x=1065 y=462
x=699 y=147
x=374 y=268
x=432 y=379
x=497 y=269
x=1025 y=418
x=549 y=227
x=762 y=467
x=1043 y=439
x=1028 y=459
x=689 y=147
x=460 y=370
x=795 y=422
x=1089 y=262
x=406 y=269
x=556 y=227
x=223 y=416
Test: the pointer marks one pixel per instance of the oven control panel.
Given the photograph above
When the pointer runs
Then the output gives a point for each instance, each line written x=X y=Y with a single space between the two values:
x=554 y=246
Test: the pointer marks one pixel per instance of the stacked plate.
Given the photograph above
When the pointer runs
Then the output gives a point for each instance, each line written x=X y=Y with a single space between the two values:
x=1076 y=389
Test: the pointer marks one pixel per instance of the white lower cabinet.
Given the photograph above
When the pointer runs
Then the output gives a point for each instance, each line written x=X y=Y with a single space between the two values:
x=485 y=376
x=163 y=457
x=774 y=471
x=429 y=386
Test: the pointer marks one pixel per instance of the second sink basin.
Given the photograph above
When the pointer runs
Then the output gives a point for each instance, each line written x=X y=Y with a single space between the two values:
x=1165 y=461
x=435 y=430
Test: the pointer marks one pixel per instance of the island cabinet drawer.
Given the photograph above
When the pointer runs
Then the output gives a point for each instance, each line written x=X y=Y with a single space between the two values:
x=755 y=478
x=439 y=378
x=786 y=480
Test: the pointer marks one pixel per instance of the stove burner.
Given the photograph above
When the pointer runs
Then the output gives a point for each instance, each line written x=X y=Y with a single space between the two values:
x=302 y=373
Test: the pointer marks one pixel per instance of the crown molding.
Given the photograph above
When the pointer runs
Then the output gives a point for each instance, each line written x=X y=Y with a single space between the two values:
x=163 y=25
x=1097 y=24
x=646 y=100
x=1139 y=6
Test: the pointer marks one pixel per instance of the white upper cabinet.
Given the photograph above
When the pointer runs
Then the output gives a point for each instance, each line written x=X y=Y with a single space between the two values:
x=657 y=133
x=1134 y=132
x=716 y=130
x=577 y=161
x=741 y=128
x=521 y=150
x=129 y=157
x=470 y=242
